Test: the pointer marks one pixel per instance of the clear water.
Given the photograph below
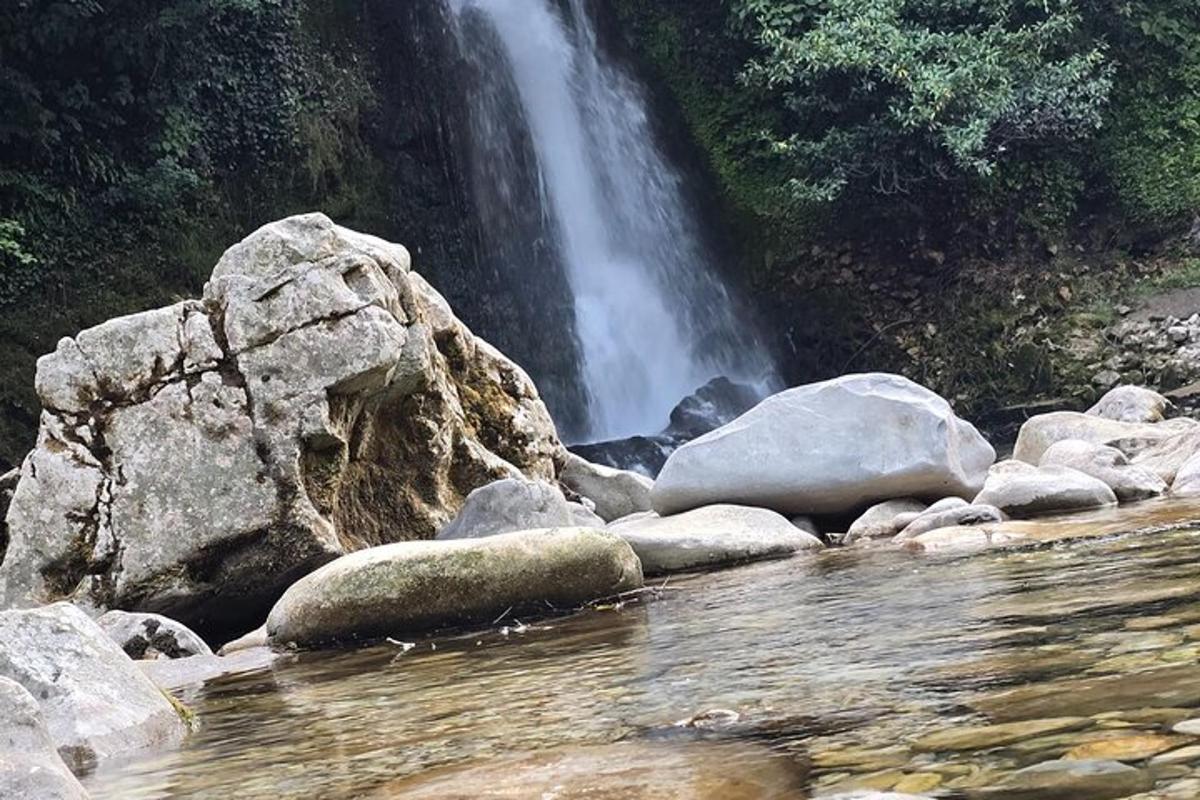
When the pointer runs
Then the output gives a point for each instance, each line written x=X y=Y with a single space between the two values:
x=652 y=320
x=836 y=663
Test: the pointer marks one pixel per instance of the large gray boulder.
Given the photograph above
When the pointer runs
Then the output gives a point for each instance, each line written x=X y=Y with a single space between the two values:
x=96 y=702
x=829 y=448
x=1129 y=482
x=616 y=492
x=147 y=636
x=195 y=460
x=711 y=536
x=880 y=520
x=507 y=505
x=1021 y=490
x=30 y=766
x=412 y=587
x=1131 y=404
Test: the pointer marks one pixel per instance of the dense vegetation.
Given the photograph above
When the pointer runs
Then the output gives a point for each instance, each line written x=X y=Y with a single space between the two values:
x=1021 y=114
x=140 y=138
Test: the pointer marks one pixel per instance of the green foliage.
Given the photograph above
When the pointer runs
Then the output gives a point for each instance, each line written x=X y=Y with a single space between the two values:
x=1152 y=148
x=892 y=94
x=141 y=137
x=11 y=248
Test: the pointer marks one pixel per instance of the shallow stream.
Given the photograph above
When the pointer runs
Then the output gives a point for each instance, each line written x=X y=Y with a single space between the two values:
x=843 y=670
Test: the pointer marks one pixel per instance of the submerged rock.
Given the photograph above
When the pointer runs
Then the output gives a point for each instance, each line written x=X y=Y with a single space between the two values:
x=711 y=536
x=508 y=505
x=688 y=771
x=1131 y=404
x=96 y=702
x=1022 y=490
x=194 y=460
x=1129 y=482
x=830 y=448
x=1069 y=780
x=412 y=587
x=617 y=493
x=144 y=636
x=30 y=766
x=881 y=519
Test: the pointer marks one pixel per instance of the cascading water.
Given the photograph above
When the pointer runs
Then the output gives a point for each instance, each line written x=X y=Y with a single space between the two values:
x=652 y=322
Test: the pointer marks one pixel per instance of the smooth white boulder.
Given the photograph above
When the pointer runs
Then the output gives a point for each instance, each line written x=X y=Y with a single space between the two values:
x=1129 y=482
x=711 y=536
x=96 y=701
x=507 y=505
x=144 y=636
x=830 y=448
x=413 y=587
x=880 y=520
x=616 y=492
x=30 y=766
x=1131 y=404
x=1022 y=490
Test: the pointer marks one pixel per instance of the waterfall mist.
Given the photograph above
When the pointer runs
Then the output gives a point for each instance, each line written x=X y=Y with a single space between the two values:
x=652 y=321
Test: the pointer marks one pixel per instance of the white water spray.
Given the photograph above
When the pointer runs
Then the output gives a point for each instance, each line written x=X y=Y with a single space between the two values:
x=652 y=321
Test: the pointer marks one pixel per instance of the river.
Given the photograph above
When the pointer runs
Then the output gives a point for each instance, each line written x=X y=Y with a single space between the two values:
x=840 y=668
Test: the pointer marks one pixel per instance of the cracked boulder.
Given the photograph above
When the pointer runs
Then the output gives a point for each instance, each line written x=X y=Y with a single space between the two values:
x=196 y=460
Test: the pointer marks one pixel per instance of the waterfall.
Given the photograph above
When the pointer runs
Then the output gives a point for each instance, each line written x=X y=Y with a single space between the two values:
x=651 y=319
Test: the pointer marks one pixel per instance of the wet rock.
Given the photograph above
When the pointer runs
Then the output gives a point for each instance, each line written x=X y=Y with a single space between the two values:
x=830 y=447
x=982 y=737
x=691 y=771
x=1021 y=490
x=248 y=641
x=714 y=404
x=880 y=520
x=1131 y=404
x=96 y=702
x=146 y=636
x=616 y=493
x=644 y=455
x=1189 y=727
x=508 y=505
x=180 y=674
x=1129 y=482
x=961 y=516
x=712 y=536
x=1166 y=687
x=1069 y=780
x=30 y=766
x=1038 y=433
x=1183 y=755
x=411 y=587
x=1126 y=748
x=194 y=460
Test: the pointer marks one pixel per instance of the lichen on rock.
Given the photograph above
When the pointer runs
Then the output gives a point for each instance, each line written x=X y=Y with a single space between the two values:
x=322 y=397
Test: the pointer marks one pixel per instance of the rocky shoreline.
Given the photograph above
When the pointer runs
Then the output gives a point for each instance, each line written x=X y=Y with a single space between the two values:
x=319 y=452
